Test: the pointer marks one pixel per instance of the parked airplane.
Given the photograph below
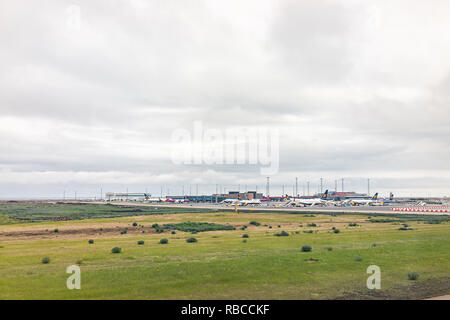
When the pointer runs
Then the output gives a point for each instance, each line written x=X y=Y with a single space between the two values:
x=323 y=200
x=251 y=202
x=390 y=200
x=363 y=202
x=175 y=200
x=229 y=201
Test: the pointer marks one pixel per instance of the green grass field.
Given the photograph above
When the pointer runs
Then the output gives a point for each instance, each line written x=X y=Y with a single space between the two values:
x=220 y=265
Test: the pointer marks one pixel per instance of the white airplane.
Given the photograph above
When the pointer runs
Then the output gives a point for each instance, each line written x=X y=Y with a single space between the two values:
x=323 y=200
x=250 y=202
x=229 y=201
x=153 y=200
x=363 y=202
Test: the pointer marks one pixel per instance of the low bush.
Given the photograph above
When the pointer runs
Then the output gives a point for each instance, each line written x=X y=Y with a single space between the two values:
x=135 y=224
x=173 y=232
x=352 y=224
x=245 y=236
x=308 y=231
x=255 y=223
x=116 y=250
x=45 y=260
x=306 y=248
x=91 y=241
x=336 y=231
x=282 y=234
x=358 y=258
x=191 y=240
x=56 y=230
x=330 y=249
x=163 y=241
x=413 y=276
x=404 y=228
x=140 y=242
x=311 y=225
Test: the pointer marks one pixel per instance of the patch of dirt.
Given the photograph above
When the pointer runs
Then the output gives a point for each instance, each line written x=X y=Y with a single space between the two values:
x=420 y=289
x=81 y=231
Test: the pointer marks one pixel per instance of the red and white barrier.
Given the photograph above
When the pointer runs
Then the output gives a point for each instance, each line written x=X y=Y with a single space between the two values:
x=424 y=209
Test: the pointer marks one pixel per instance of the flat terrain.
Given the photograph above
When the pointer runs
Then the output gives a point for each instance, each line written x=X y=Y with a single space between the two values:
x=220 y=265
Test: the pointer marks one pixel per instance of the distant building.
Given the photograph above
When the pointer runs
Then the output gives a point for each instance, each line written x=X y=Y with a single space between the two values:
x=348 y=195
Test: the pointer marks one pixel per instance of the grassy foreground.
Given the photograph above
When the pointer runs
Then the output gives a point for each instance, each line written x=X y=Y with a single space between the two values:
x=221 y=265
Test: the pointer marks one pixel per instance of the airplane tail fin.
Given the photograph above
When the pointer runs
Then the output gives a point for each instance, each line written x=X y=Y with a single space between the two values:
x=325 y=195
x=391 y=196
x=375 y=196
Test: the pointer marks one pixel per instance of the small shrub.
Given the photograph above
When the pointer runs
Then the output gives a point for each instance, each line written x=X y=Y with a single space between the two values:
x=413 y=276
x=358 y=258
x=244 y=241
x=433 y=222
x=56 y=230
x=279 y=226
x=123 y=231
x=135 y=224
x=45 y=260
x=311 y=225
x=270 y=227
x=245 y=236
x=330 y=249
x=336 y=231
x=155 y=225
x=173 y=232
x=374 y=245
x=140 y=242
x=191 y=240
x=404 y=228
x=282 y=234
x=308 y=231
x=91 y=241
x=255 y=223
x=306 y=248
x=116 y=250
x=163 y=241
x=352 y=224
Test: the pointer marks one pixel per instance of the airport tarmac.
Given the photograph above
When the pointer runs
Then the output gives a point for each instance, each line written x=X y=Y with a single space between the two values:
x=357 y=209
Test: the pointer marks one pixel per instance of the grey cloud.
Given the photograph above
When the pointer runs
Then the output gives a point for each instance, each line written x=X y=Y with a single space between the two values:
x=356 y=89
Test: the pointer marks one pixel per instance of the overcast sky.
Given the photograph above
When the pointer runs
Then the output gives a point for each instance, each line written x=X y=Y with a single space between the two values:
x=92 y=91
